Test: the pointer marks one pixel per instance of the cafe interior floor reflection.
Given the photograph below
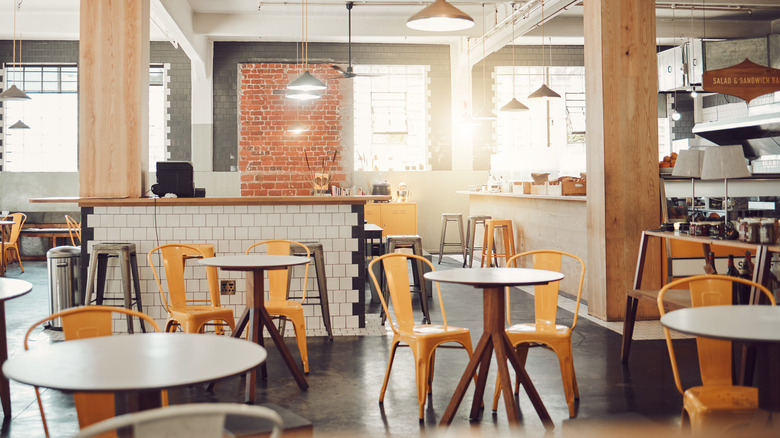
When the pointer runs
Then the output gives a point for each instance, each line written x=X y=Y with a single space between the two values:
x=346 y=376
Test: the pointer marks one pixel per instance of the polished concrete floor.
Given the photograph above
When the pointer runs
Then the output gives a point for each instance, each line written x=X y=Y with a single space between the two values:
x=346 y=376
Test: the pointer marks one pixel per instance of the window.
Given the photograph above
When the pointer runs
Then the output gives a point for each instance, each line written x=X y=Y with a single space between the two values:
x=51 y=143
x=550 y=136
x=391 y=117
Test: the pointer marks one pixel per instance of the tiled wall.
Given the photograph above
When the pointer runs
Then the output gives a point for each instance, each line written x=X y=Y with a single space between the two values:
x=232 y=229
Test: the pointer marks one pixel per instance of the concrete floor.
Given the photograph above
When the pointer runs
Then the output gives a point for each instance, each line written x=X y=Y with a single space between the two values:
x=346 y=376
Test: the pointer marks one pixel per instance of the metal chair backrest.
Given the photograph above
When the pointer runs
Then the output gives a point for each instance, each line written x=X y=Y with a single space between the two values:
x=206 y=420
x=546 y=295
x=277 y=278
x=714 y=354
x=16 y=228
x=174 y=256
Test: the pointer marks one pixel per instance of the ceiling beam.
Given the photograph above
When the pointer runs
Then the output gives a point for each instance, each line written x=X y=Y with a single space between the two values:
x=174 y=19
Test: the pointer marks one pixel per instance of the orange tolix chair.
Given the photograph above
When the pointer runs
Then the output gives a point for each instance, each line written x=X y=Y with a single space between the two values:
x=89 y=322
x=181 y=312
x=13 y=240
x=544 y=330
x=423 y=339
x=278 y=303
x=717 y=404
x=74 y=230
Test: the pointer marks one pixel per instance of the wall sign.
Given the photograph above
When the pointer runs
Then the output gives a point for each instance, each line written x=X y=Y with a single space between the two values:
x=746 y=80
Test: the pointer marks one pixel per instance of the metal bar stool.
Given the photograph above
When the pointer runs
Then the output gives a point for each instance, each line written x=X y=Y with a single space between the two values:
x=471 y=228
x=414 y=242
x=449 y=217
x=322 y=282
x=128 y=268
x=489 y=250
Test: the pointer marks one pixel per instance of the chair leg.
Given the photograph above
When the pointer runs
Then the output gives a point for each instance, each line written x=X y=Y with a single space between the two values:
x=18 y=257
x=567 y=366
x=443 y=234
x=422 y=369
x=387 y=373
x=299 y=325
x=469 y=249
x=430 y=372
x=40 y=408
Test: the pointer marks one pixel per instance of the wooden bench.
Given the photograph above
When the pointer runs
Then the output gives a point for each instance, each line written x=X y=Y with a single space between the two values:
x=50 y=231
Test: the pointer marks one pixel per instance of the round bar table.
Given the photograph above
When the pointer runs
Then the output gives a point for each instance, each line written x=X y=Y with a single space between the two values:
x=3 y=238
x=10 y=288
x=492 y=282
x=141 y=363
x=758 y=325
x=255 y=314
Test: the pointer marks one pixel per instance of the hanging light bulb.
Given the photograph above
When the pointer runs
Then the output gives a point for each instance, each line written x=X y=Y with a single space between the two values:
x=676 y=116
x=440 y=16
x=694 y=93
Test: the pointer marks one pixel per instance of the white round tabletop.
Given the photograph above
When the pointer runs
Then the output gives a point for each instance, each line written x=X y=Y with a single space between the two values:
x=12 y=288
x=736 y=323
x=142 y=362
x=491 y=277
x=7 y=222
x=252 y=261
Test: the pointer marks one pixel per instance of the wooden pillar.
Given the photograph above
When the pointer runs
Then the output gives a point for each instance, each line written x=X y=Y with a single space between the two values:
x=113 y=97
x=622 y=147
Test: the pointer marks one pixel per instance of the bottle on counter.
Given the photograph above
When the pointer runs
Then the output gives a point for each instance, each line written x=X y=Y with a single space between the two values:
x=732 y=271
x=746 y=272
x=709 y=266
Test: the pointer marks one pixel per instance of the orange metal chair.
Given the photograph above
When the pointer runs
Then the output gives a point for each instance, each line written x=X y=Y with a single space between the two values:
x=278 y=305
x=13 y=240
x=81 y=323
x=717 y=404
x=181 y=312
x=544 y=330
x=74 y=230
x=423 y=339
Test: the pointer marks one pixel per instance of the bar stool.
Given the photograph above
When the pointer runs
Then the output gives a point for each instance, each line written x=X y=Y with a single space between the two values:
x=414 y=242
x=322 y=283
x=450 y=217
x=489 y=252
x=128 y=266
x=471 y=228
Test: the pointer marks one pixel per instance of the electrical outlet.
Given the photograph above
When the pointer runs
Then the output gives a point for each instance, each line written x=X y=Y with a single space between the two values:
x=227 y=287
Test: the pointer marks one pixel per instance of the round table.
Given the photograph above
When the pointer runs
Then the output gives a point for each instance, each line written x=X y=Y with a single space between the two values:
x=255 y=313
x=3 y=238
x=759 y=325
x=10 y=288
x=492 y=282
x=143 y=363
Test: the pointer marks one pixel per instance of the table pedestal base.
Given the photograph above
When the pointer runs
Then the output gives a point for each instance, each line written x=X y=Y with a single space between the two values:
x=495 y=339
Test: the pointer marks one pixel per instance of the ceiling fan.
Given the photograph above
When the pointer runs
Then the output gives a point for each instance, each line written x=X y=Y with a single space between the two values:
x=348 y=73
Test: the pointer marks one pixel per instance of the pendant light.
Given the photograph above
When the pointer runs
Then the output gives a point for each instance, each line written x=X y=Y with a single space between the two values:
x=544 y=91
x=440 y=16
x=13 y=92
x=297 y=128
x=676 y=116
x=484 y=113
x=306 y=81
x=514 y=104
x=19 y=125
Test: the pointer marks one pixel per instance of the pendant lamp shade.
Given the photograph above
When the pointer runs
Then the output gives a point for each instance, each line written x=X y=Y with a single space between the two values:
x=19 y=125
x=689 y=163
x=483 y=114
x=724 y=162
x=297 y=128
x=306 y=82
x=13 y=93
x=440 y=16
x=302 y=95
x=543 y=92
x=514 y=105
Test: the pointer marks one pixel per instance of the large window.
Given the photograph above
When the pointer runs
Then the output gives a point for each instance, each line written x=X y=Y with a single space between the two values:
x=391 y=117
x=51 y=143
x=550 y=136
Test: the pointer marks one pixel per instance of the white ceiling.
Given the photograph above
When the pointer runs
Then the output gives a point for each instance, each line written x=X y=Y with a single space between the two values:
x=383 y=20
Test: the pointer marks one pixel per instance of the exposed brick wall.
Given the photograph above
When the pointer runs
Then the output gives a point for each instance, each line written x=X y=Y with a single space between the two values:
x=272 y=161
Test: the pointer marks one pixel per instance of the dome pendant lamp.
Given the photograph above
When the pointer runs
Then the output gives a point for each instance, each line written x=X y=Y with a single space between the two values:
x=513 y=105
x=544 y=91
x=19 y=125
x=306 y=81
x=440 y=16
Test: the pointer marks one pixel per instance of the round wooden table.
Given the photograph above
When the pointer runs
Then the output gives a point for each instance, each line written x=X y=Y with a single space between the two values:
x=142 y=363
x=758 y=325
x=255 y=314
x=10 y=288
x=492 y=282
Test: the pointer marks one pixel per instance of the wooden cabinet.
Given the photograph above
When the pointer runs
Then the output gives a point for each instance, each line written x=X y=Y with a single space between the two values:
x=393 y=217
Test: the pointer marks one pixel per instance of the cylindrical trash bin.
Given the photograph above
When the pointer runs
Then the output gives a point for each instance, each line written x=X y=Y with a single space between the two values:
x=64 y=273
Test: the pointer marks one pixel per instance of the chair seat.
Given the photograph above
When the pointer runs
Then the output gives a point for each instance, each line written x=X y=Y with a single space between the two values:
x=539 y=331
x=202 y=310
x=283 y=306
x=704 y=399
x=432 y=329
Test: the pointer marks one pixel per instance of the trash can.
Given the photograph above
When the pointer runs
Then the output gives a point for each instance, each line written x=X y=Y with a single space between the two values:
x=64 y=264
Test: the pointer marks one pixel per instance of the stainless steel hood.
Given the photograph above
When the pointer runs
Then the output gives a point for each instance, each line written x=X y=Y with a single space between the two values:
x=759 y=135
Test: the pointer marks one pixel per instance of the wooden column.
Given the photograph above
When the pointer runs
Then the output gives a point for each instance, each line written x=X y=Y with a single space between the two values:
x=113 y=97
x=622 y=147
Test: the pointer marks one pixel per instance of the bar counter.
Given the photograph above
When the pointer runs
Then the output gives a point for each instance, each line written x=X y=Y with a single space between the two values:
x=249 y=200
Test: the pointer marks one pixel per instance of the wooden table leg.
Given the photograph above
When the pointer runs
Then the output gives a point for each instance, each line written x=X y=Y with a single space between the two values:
x=529 y=387
x=5 y=389
x=465 y=380
x=481 y=381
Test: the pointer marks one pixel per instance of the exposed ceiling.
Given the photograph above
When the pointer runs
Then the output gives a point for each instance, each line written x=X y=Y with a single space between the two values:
x=384 y=20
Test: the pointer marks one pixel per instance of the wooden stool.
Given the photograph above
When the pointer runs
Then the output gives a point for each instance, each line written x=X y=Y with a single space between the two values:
x=322 y=283
x=448 y=217
x=471 y=228
x=414 y=242
x=128 y=266
x=507 y=239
